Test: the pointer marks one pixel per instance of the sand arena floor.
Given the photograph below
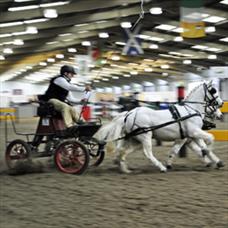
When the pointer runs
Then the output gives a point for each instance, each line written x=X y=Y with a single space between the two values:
x=190 y=195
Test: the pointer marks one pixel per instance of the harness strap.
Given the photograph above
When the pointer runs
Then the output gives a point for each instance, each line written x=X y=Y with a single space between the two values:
x=176 y=115
x=139 y=131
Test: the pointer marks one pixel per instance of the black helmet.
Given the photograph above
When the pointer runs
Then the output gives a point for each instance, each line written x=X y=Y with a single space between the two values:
x=67 y=69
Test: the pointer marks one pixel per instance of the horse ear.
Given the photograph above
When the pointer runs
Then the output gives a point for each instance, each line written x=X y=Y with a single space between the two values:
x=210 y=83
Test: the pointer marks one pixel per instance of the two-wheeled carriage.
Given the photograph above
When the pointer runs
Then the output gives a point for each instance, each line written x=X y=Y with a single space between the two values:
x=73 y=152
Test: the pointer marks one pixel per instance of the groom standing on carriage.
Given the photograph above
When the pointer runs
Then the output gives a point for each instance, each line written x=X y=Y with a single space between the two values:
x=59 y=94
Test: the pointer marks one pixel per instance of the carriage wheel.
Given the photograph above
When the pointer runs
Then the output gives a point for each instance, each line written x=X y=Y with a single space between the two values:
x=96 y=153
x=17 y=151
x=71 y=157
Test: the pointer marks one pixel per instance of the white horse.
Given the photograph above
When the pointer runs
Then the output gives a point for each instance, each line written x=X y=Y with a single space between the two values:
x=142 y=123
x=197 y=146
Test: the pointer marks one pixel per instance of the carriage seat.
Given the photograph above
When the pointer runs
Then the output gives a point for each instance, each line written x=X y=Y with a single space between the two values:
x=47 y=110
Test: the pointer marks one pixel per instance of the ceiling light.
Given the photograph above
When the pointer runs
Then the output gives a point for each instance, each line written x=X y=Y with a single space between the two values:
x=36 y=20
x=115 y=77
x=204 y=15
x=59 y=56
x=133 y=64
x=68 y=40
x=133 y=72
x=31 y=30
x=103 y=61
x=43 y=64
x=214 y=19
x=86 y=43
x=20 y=33
x=23 y=0
x=65 y=34
x=21 y=8
x=224 y=39
x=201 y=47
x=115 y=57
x=50 y=13
x=187 y=61
x=73 y=50
x=210 y=29
x=178 y=30
x=54 y=4
x=126 y=24
x=224 y=2
x=127 y=75
x=165 y=74
x=103 y=35
x=5 y=35
x=212 y=56
x=2 y=57
x=144 y=37
x=120 y=43
x=18 y=42
x=156 y=10
x=165 y=27
x=214 y=49
x=148 y=69
x=165 y=66
x=84 y=31
x=96 y=80
x=52 y=42
x=178 y=39
x=7 y=51
x=51 y=60
x=153 y=46
x=170 y=56
x=3 y=25
x=80 y=25
x=158 y=39
x=99 y=22
x=105 y=79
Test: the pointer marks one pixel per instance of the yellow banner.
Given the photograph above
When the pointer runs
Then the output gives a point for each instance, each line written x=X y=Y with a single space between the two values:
x=193 y=29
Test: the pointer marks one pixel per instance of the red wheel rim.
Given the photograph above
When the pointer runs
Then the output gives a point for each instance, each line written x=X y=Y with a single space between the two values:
x=16 y=153
x=70 y=158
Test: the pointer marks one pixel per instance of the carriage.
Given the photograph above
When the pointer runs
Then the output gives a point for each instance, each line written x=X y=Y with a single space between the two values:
x=72 y=153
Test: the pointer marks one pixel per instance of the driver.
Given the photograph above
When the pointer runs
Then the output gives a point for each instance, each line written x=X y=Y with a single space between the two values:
x=59 y=91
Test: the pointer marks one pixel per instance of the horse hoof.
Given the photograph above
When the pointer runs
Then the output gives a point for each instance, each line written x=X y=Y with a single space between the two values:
x=126 y=171
x=169 y=167
x=163 y=170
x=219 y=165
x=208 y=165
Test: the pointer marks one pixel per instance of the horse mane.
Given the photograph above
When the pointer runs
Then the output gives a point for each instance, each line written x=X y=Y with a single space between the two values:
x=193 y=90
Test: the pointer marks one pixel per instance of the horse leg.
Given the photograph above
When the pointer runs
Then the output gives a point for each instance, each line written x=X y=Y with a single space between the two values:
x=201 y=152
x=146 y=141
x=124 y=152
x=117 y=149
x=174 y=151
x=206 y=150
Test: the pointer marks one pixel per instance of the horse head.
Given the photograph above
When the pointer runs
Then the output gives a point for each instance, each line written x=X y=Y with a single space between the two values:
x=212 y=97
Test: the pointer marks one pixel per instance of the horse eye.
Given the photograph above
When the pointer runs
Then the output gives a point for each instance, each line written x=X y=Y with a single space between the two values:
x=212 y=91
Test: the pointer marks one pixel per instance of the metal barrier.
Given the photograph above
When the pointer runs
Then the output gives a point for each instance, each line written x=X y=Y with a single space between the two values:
x=4 y=111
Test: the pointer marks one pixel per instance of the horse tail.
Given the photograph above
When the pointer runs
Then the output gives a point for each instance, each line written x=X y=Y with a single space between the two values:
x=112 y=130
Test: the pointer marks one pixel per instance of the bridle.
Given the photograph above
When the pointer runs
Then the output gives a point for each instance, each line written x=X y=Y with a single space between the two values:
x=211 y=103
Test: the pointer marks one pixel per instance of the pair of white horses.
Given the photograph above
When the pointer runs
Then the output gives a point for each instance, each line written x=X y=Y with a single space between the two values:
x=142 y=124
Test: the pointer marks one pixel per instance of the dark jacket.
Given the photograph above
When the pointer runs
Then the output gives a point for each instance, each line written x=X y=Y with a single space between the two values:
x=55 y=91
